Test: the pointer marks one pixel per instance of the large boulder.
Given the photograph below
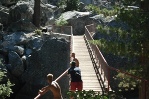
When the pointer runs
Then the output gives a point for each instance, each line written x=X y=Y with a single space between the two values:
x=21 y=10
x=17 y=38
x=29 y=57
x=22 y=25
x=77 y=20
x=16 y=68
x=8 y=3
x=20 y=17
x=53 y=57
x=4 y=15
x=48 y=13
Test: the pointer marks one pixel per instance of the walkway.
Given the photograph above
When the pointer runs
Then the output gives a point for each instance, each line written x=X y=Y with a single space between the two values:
x=90 y=81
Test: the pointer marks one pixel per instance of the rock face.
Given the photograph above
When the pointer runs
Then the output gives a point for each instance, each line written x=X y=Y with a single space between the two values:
x=52 y=58
x=20 y=18
x=77 y=20
x=16 y=63
x=29 y=57
x=4 y=15
x=21 y=10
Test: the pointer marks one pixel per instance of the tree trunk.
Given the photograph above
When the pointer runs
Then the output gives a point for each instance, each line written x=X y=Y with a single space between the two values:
x=36 y=15
x=144 y=5
x=144 y=89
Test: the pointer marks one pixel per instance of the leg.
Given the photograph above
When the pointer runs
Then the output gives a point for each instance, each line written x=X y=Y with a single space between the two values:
x=80 y=86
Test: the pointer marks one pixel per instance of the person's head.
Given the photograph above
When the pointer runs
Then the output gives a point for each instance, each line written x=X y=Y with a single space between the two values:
x=50 y=78
x=73 y=55
x=73 y=64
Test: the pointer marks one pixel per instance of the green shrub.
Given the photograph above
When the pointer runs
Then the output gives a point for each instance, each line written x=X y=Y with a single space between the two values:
x=61 y=22
x=69 y=5
x=86 y=95
x=5 y=90
x=5 y=87
x=106 y=12
x=38 y=31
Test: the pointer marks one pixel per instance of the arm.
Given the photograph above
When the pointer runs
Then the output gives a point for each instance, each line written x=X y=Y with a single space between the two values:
x=78 y=62
x=44 y=90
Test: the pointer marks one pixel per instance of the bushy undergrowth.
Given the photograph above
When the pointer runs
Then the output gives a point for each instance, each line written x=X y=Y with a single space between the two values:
x=61 y=22
x=86 y=95
x=5 y=86
x=38 y=31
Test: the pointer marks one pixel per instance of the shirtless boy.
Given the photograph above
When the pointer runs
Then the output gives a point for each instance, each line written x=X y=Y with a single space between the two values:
x=75 y=59
x=53 y=86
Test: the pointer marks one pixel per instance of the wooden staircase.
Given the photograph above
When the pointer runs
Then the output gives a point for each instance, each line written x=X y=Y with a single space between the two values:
x=90 y=81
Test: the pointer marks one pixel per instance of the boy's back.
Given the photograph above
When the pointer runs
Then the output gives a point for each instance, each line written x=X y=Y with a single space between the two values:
x=56 y=90
x=53 y=86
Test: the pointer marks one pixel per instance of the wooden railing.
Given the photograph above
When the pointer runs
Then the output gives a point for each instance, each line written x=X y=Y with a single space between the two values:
x=62 y=28
x=102 y=68
x=96 y=57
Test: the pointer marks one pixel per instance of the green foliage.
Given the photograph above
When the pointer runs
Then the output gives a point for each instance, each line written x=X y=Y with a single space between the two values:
x=127 y=83
x=94 y=9
x=69 y=5
x=86 y=95
x=61 y=22
x=118 y=46
x=5 y=88
x=38 y=31
x=2 y=74
x=62 y=4
x=97 y=10
x=130 y=2
x=130 y=42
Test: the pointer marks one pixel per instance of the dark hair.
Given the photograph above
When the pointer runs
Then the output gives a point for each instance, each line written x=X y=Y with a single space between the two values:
x=73 y=63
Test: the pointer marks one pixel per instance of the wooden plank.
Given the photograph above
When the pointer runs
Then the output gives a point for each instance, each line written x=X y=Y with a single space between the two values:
x=90 y=81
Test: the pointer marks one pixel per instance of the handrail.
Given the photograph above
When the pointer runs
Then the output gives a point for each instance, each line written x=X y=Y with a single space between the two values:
x=62 y=29
x=71 y=50
x=98 y=55
x=105 y=68
x=71 y=47
x=95 y=66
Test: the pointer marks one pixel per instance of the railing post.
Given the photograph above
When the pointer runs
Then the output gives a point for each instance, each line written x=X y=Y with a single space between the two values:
x=101 y=68
x=108 y=69
x=142 y=90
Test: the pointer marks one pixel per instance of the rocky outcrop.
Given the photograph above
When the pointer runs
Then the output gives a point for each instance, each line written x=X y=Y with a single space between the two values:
x=21 y=10
x=20 y=18
x=30 y=57
x=16 y=64
x=4 y=15
x=21 y=25
x=77 y=20
x=51 y=58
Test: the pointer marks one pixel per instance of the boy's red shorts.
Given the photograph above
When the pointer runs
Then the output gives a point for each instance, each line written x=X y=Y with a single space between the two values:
x=76 y=86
